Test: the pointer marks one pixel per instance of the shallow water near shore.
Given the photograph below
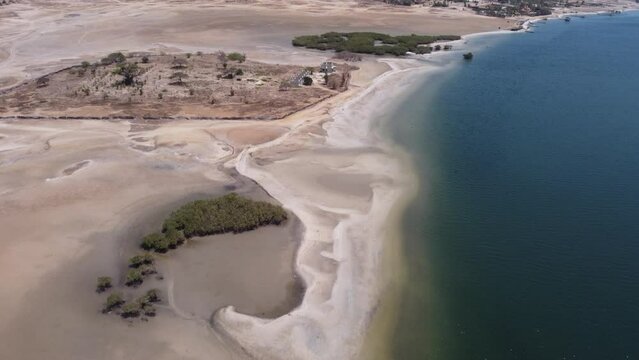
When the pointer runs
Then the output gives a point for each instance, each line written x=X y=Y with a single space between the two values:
x=522 y=242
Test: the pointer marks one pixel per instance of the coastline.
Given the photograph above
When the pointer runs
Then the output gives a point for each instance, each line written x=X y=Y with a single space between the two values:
x=331 y=165
x=338 y=307
x=354 y=322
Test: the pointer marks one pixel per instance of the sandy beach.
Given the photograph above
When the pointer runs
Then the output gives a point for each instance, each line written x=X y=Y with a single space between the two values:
x=76 y=196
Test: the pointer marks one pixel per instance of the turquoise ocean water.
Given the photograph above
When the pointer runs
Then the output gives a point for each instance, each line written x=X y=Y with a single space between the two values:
x=523 y=242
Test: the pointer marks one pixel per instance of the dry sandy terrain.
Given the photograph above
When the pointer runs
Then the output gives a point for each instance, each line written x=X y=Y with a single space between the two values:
x=75 y=196
x=201 y=86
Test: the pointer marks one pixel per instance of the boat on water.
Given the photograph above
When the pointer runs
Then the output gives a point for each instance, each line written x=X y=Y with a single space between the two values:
x=567 y=19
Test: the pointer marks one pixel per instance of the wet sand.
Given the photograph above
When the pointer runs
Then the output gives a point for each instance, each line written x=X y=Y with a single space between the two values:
x=252 y=271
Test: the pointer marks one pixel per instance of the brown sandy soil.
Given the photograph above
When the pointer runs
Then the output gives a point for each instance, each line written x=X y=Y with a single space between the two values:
x=76 y=197
x=209 y=86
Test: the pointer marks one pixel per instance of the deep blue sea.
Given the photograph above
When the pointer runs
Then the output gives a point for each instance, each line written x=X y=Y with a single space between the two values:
x=523 y=242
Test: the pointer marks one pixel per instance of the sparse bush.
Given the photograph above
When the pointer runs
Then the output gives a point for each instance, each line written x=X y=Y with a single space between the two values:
x=239 y=72
x=131 y=310
x=147 y=270
x=307 y=81
x=139 y=260
x=134 y=277
x=199 y=53
x=114 y=301
x=179 y=77
x=104 y=283
x=145 y=59
x=179 y=63
x=153 y=296
x=235 y=56
x=85 y=64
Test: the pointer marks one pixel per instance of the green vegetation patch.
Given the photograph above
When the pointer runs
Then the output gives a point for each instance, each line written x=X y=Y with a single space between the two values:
x=114 y=301
x=371 y=43
x=235 y=56
x=229 y=213
x=142 y=259
x=104 y=283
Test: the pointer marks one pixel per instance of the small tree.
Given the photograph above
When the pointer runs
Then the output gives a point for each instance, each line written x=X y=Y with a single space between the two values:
x=149 y=310
x=174 y=237
x=179 y=77
x=153 y=296
x=114 y=301
x=239 y=72
x=235 y=56
x=131 y=310
x=147 y=270
x=139 y=260
x=85 y=64
x=104 y=283
x=307 y=81
x=113 y=58
x=129 y=72
x=152 y=241
x=145 y=59
x=134 y=277
x=179 y=63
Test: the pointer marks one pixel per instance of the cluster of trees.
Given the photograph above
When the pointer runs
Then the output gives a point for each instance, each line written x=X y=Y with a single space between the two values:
x=141 y=266
x=141 y=305
x=163 y=242
x=229 y=213
x=113 y=58
x=371 y=43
